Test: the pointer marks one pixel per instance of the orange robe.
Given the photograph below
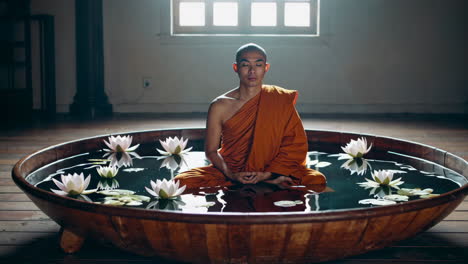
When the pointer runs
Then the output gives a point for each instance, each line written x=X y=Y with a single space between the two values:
x=266 y=134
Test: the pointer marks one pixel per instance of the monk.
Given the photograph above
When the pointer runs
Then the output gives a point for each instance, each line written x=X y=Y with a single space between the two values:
x=261 y=134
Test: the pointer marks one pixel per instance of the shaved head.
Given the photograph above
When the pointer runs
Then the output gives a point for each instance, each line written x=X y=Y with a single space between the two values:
x=250 y=47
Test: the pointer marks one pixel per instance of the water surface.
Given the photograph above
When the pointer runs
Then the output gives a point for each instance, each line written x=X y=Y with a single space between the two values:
x=342 y=191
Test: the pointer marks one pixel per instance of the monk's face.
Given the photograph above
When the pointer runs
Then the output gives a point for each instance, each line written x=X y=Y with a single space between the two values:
x=251 y=68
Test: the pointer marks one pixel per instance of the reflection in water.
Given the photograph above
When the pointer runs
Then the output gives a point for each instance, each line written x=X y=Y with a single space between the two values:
x=358 y=166
x=169 y=162
x=260 y=197
x=381 y=191
x=173 y=162
x=83 y=197
x=166 y=204
x=309 y=198
x=121 y=159
x=108 y=184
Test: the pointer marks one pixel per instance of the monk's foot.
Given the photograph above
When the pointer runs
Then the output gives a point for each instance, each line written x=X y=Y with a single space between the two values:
x=312 y=179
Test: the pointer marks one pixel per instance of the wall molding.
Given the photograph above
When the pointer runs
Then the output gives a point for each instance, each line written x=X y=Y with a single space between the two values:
x=302 y=108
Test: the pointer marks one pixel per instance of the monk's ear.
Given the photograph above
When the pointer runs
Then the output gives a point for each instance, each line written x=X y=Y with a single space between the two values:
x=234 y=67
x=267 y=66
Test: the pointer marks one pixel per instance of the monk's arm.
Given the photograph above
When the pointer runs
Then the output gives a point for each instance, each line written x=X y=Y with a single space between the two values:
x=213 y=138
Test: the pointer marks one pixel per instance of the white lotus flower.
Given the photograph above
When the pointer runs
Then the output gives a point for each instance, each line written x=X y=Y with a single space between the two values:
x=107 y=172
x=72 y=184
x=165 y=189
x=385 y=177
x=174 y=146
x=120 y=144
x=357 y=148
x=358 y=166
x=382 y=178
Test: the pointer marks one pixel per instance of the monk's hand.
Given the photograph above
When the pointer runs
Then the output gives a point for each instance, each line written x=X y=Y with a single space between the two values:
x=281 y=181
x=262 y=176
x=245 y=177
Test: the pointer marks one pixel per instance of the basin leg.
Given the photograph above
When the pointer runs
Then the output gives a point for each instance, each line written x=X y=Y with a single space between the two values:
x=70 y=242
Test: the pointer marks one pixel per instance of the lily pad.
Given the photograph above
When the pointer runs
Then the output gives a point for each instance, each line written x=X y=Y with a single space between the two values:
x=113 y=202
x=287 y=203
x=313 y=162
x=415 y=191
x=134 y=203
x=116 y=192
x=377 y=202
x=396 y=198
x=207 y=204
x=429 y=195
x=319 y=164
x=134 y=169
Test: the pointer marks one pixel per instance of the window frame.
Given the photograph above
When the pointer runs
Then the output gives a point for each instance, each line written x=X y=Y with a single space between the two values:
x=244 y=19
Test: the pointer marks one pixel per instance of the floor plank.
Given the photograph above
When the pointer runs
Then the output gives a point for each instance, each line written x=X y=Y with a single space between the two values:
x=48 y=226
x=22 y=215
x=450 y=227
x=463 y=206
x=14 y=197
x=15 y=206
x=10 y=189
x=457 y=215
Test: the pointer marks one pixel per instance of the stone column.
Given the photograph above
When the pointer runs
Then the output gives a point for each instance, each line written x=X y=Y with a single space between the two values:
x=90 y=100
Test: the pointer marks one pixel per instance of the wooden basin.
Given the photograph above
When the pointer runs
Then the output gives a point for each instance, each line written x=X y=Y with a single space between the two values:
x=291 y=237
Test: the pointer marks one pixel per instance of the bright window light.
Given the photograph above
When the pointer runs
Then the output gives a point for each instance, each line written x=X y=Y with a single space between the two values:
x=297 y=14
x=263 y=14
x=192 y=14
x=225 y=14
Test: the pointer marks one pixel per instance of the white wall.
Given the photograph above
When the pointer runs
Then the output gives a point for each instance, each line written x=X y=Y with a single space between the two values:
x=377 y=56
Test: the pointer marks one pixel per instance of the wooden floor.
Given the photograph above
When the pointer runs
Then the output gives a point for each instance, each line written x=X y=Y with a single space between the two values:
x=29 y=236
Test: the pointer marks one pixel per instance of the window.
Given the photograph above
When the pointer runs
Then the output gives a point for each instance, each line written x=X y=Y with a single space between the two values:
x=245 y=17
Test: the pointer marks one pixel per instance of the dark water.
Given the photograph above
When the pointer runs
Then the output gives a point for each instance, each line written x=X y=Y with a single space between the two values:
x=342 y=190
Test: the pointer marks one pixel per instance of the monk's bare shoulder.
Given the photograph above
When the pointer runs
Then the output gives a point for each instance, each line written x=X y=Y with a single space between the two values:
x=226 y=100
x=221 y=105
